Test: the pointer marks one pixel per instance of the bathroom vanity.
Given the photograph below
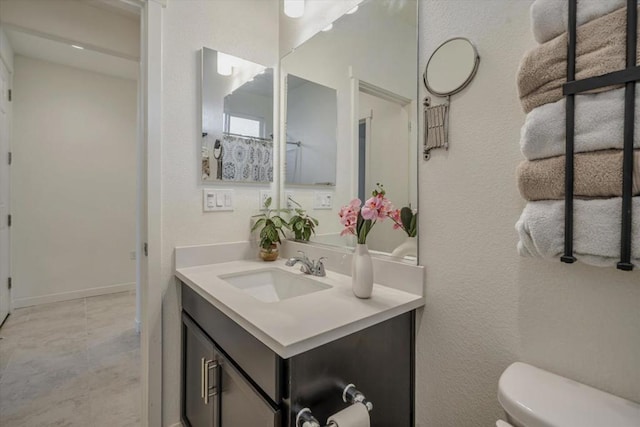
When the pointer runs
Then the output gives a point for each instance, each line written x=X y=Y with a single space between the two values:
x=256 y=360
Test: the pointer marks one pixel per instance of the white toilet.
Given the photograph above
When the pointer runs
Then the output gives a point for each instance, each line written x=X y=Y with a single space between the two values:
x=532 y=397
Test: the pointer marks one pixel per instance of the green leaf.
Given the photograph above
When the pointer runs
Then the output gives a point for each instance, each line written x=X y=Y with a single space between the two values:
x=413 y=229
x=267 y=203
x=294 y=202
x=298 y=225
x=258 y=224
x=315 y=221
x=272 y=234
x=406 y=215
x=277 y=221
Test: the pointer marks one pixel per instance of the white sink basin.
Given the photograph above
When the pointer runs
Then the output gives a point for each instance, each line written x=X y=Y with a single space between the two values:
x=273 y=284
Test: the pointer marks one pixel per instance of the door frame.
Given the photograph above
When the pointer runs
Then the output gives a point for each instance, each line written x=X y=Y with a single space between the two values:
x=149 y=199
x=4 y=160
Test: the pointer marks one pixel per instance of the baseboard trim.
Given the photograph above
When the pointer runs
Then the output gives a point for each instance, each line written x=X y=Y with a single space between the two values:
x=66 y=296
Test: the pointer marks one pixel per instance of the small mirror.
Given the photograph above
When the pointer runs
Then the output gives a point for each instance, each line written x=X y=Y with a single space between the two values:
x=451 y=67
x=237 y=119
x=312 y=119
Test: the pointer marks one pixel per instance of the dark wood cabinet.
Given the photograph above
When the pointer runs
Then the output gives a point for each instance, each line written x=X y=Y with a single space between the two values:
x=215 y=392
x=248 y=385
x=199 y=359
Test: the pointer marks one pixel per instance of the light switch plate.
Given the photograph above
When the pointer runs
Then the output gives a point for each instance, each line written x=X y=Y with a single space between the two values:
x=290 y=195
x=264 y=195
x=214 y=200
x=323 y=200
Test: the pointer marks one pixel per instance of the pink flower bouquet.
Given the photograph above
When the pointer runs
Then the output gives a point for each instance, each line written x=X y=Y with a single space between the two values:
x=406 y=220
x=359 y=220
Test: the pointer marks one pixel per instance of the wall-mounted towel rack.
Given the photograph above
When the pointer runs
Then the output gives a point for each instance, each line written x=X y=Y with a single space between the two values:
x=629 y=76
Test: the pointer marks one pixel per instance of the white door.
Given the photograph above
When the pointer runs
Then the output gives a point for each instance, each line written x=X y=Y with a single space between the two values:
x=4 y=192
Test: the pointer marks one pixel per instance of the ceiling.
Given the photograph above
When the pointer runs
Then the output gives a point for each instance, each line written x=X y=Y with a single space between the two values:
x=41 y=47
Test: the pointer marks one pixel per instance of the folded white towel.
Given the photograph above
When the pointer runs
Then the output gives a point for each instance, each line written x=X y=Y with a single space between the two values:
x=549 y=18
x=596 y=230
x=599 y=125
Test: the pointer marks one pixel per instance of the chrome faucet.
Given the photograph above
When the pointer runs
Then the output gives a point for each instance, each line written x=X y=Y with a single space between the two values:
x=315 y=268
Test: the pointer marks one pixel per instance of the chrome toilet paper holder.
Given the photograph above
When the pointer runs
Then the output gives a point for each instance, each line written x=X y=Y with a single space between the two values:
x=350 y=394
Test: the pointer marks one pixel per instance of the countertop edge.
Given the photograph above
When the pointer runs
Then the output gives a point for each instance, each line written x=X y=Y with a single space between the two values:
x=312 y=342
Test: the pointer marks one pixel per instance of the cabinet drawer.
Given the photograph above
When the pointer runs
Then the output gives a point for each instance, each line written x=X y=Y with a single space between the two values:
x=261 y=364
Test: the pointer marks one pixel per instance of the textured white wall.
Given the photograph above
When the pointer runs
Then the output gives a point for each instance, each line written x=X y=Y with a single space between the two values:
x=244 y=28
x=486 y=307
x=73 y=179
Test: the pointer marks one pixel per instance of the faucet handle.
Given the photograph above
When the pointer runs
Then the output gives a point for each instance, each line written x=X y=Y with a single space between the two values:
x=319 y=267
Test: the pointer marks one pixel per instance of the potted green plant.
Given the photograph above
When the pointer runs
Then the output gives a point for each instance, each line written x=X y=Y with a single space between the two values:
x=302 y=225
x=271 y=227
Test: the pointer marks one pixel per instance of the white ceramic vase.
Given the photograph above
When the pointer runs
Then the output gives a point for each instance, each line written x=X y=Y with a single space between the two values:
x=362 y=272
x=407 y=248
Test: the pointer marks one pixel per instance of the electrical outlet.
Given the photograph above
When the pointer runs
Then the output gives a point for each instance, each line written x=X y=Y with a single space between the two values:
x=132 y=255
x=323 y=200
x=264 y=196
x=289 y=195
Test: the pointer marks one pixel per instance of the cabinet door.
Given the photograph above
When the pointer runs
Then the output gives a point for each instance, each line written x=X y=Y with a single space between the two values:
x=241 y=405
x=200 y=404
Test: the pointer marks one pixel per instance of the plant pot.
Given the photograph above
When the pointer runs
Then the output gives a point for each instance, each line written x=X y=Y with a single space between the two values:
x=270 y=254
x=408 y=248
x=362 y=272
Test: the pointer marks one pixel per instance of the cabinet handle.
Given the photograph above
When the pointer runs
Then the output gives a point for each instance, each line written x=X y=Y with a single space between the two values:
x=202 y=378
x=208 y=365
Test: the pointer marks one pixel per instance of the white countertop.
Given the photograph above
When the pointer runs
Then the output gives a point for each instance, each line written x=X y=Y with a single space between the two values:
x=293 y=326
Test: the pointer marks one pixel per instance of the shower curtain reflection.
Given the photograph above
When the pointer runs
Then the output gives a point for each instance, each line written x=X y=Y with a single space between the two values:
x=246 y=159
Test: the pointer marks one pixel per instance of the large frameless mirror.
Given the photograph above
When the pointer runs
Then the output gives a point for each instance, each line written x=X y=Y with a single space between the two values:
x=237 y=119
x=367 y=60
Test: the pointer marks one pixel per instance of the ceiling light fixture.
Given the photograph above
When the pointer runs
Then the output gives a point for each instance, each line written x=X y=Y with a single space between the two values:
x=354 y=10
x=77 y=47
x=294 y=8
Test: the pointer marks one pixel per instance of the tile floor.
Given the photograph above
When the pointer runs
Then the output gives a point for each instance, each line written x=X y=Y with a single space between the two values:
x=73 y=363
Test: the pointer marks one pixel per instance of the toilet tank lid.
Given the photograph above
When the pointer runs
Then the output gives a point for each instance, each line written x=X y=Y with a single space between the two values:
x=537 y=398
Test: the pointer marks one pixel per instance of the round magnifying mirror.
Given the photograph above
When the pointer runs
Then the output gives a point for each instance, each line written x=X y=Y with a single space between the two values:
x=451 y=67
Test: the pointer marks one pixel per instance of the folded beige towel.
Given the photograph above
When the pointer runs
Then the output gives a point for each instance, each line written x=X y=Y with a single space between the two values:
x=597 y=174
x=600 y=49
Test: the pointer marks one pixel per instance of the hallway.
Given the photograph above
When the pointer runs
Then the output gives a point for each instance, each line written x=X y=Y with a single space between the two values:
x=73 y=363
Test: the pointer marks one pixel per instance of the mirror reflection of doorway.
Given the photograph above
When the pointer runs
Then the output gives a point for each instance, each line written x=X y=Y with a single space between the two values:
x=384 y=148
x=362 y=158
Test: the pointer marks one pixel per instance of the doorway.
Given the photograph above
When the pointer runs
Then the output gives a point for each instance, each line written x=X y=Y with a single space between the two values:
x=93 y=194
